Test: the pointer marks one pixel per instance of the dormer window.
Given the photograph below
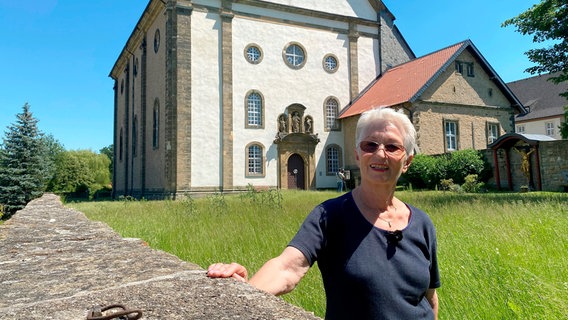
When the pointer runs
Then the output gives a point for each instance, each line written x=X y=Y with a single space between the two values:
x=468 y=66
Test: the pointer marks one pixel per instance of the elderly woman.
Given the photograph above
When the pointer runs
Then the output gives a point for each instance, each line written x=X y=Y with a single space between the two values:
x=376 y=254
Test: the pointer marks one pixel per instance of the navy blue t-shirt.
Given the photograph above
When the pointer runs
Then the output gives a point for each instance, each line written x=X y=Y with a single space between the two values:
x=367 y=274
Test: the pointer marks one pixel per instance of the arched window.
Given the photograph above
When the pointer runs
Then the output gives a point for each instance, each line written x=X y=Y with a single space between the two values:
x=120 y=145
x=333 y=156
x=254 y=110
x=255 y=159
x=135 y=71
x=331 y=111
x=134 y=136
x=156 y=124
x=156 y=40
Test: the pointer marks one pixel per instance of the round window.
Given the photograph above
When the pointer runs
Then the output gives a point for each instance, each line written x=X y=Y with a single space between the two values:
x=330 y=63
x=294 y=55
x=253 y=54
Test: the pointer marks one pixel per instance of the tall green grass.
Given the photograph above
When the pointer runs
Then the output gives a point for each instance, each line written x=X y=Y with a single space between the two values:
x=501 y=256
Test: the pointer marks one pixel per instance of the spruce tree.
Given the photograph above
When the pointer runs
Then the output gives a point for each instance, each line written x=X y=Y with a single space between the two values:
x=22 y=163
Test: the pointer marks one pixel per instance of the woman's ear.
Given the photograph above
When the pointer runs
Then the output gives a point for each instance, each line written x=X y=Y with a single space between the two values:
x=407 y=163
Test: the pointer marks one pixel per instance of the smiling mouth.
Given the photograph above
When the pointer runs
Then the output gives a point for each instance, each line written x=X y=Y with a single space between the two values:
x=378 y=166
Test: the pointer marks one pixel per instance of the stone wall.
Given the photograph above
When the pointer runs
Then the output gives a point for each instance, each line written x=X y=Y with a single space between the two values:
x=57 y=264
x=554 y=165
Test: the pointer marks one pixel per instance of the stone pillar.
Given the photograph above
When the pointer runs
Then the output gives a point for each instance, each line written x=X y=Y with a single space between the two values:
x=144 y=112
x=178 y=98
x=353 y=62
x=227 y=94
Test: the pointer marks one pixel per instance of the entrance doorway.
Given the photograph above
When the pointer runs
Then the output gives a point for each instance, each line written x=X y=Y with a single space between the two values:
x=296 y=176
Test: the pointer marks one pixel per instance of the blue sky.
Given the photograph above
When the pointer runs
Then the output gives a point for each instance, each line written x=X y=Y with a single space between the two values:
x=57 y=54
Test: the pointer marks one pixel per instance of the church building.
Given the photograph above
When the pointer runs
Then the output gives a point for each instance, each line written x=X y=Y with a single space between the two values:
x=219 y=95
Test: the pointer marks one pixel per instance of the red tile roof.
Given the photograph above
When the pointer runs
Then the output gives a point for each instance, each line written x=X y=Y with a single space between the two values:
x=404 y=82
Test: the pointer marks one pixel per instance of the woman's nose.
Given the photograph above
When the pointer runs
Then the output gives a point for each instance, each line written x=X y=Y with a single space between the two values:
x=381 y=148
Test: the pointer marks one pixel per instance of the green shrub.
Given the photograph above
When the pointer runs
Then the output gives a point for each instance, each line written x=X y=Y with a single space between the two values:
x=456 y=188
x=462 y=163
x=428 y=171
x=425 y=172
x=446 y=184
x=104 y=193
x=472 y=185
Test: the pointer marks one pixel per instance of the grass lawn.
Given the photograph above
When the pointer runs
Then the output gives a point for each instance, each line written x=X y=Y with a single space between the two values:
x=501 y=256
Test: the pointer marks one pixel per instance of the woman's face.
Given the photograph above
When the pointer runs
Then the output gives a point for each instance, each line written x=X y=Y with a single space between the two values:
x=381 y=155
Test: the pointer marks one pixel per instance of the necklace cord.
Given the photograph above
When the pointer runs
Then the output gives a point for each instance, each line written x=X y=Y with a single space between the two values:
x=385 y=220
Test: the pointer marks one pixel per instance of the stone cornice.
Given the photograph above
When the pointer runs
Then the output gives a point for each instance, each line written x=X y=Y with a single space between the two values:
x=153 y=9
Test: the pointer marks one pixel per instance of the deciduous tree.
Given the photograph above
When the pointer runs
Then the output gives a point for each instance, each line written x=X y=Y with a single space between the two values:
x=546 y=21
x=80 y=171
x=53 y=148
x=109 y=151
x=564 y=125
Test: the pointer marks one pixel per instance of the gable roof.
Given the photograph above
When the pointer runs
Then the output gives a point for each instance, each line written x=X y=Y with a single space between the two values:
x=540 y=96
x=406 y=82
x=509 y=139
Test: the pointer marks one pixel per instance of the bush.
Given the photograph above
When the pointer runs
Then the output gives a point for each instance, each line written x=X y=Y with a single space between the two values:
x=432 y=171
x=446 y=184
x=425 y=172
x=104 y=193
x=463 y=163
x=472 y=185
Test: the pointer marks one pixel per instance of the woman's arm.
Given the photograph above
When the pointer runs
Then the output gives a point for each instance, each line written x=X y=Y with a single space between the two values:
x=432 y=298
x=278 y=276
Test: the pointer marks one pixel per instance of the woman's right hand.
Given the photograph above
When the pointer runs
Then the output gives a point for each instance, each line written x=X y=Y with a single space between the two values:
x=228 y=270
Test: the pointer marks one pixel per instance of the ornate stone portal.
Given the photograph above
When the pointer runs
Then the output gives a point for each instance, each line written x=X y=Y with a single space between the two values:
x=296 y=149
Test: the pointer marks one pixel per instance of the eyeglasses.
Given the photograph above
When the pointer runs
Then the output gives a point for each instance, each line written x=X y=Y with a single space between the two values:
x=391 y=149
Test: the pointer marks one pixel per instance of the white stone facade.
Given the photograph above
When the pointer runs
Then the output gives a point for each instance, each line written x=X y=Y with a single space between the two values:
x=197 y=78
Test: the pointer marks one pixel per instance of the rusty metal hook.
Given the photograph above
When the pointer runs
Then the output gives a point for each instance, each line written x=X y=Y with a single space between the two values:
x=96 y=313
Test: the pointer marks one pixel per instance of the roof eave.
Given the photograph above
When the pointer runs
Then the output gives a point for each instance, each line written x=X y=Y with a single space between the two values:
x=138 y=33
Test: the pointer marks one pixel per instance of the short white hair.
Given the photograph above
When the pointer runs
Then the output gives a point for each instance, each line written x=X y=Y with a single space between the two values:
x=397 y=118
